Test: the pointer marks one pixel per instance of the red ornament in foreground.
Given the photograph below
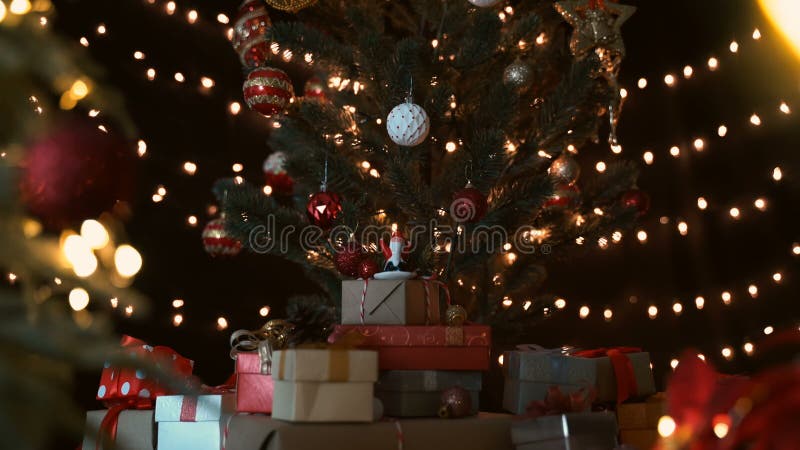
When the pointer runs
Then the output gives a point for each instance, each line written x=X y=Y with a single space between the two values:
x=469 y=205
x=250 y=34
x=218 y=242
x=268 y=90
x=636 y=199
x=368 y=268
x=323 y=208
x=75 y=172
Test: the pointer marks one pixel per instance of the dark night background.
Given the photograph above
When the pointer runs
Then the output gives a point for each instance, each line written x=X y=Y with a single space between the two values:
x=181 y=123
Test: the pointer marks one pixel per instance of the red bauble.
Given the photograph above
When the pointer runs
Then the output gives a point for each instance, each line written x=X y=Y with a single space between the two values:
x=250 y=33
x=218 y=242
x=636 y=199
x=268 y=90
x=564 y=196
x=323 y=208
x=469 y=205
x=455 y=402
x=74 y=173
x=367 y=268
x=348 y=258
x=276 y=176
x=314 y=88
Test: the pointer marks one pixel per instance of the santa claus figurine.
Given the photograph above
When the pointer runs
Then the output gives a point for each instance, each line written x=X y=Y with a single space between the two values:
x=395 y=253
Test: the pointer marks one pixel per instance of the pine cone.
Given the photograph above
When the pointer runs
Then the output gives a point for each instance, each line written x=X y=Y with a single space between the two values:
x=312 y=318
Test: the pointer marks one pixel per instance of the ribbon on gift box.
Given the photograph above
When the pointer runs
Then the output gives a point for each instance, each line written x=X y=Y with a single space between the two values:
x=627 y=386
x=247 y=341
x=556 y=402
x=338 y=360
x=431 y=282
x=116 y=401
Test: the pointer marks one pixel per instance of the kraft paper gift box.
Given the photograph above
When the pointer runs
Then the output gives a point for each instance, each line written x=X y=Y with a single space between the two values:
x=192 y=422
x=390 y=302
x=482 y=432
x=254 y=389
x=436 y=347
x=417 y=393
x=642 y=415
x=517 y=394
x=584 y=431
x=324 y=385
x=134 y=430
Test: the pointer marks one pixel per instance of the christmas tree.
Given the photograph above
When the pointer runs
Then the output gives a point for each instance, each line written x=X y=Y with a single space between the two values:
x=447 y=117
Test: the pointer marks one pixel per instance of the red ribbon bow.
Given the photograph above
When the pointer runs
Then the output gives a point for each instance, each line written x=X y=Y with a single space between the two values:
x=627 y=386
x=557 y=402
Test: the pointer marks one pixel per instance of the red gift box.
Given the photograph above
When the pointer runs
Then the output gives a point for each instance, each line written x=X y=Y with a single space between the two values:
x=423 y=347
x=253 y=388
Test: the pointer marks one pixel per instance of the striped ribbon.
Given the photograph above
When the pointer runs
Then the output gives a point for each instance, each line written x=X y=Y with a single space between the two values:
x=364 y=299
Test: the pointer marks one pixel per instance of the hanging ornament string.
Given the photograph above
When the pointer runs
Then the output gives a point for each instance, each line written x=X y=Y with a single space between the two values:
x=324 y=186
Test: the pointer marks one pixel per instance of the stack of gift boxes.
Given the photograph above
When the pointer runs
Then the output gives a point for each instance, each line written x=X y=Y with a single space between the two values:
x=419 y=357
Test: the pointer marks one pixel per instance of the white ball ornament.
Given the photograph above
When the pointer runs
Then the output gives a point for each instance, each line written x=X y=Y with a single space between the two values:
x=484 y=3
x=408 y=124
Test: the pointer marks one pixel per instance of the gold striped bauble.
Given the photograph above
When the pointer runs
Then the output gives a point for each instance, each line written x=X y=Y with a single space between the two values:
x=268 y=90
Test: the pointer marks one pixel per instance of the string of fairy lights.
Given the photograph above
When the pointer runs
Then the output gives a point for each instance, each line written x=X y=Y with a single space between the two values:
x=204 y=84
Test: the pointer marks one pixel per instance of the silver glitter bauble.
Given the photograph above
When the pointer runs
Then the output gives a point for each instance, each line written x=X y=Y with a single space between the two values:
x=565 y=169
x=517 y=74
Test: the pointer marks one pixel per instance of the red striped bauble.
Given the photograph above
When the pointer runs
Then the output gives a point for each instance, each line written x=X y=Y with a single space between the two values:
x=218 y=242
x=268 y=90
x=250 y=33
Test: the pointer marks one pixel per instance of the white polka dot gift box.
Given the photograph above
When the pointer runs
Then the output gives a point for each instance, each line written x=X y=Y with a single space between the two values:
x=133 y=388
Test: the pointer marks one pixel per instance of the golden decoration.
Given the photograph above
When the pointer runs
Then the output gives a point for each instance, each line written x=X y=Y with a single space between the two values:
x=456 y=315
x=290 y=5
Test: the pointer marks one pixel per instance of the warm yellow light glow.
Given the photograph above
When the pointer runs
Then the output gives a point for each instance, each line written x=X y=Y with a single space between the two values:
x=600 y=166
x=683 y=228
x=722 y=131
x=560 y=303
x=699 y=144
x=151 y=74
x=768 y=330
x=652 y=311
x=648 y=157
x=608 y=314
x=264 y=311
x=727 y=353
x=374 y=173
x=642 y=83
x=702 y=203
x=583 y=312
x=141 y=148
x=748 y=348
x=170 y=7
x=179 y=77
x=190 y=168
x=127 y=260
x=669 y=80
x=78 y=299
x=177 y=320
x=507 y=302
x=666 y=425
x=222 y=323
x=19 y=7
x=3 y=11
x=677 y=308
x=777 y=277
x=641 y=235
x=785 y=15
x=699 y=302
x=129 y=310
x=101 y=29
x=726 y=298
x=79 y=253
x=777 y=174
x=511 y=257
x=222 y=18
x=701 y=357
x=756 y=34
x=237 y=167
x=234 y=108
x=796 y=249
x=713 y=63
x=450 y=146
x=206 y=82
x=673 y=363
x=623 y=93
x=752 y=290
x=755 y=120
x=734 y=47
x=267 y=190
x=734 y=212
x=177 y=303
x=84 y=42
x=500 y=360
x=721 y=429
x=527 y=304
x=541 y=39
x=191 y=16
x=675 y=151
x=760 y=203
x=784 y=108
x=688 y=71
x=114 y=302
x=191 y=220
x=94 y=233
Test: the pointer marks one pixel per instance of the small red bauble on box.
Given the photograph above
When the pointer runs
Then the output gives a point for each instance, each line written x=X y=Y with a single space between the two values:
x=268 y=90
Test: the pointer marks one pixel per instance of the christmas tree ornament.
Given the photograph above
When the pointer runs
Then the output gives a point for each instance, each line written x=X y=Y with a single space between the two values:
x=455 y=316
x=311 y=317
x=348 y=259
x=324 y=207
x=278 y=332
x=250 y=34
x=564 y=169
x=314 y=89
x=636 y=199
x=268 y=90
x=564 y=196
x=290 y=5
x=217 y=241
x=595 y=25
x=469 y=204
x=455 y=402
x=395 y=253
x=518 y=74
x=75 y=172
x=276 y=176
x=367 y=268
x=408 y=124
x=484 y=3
